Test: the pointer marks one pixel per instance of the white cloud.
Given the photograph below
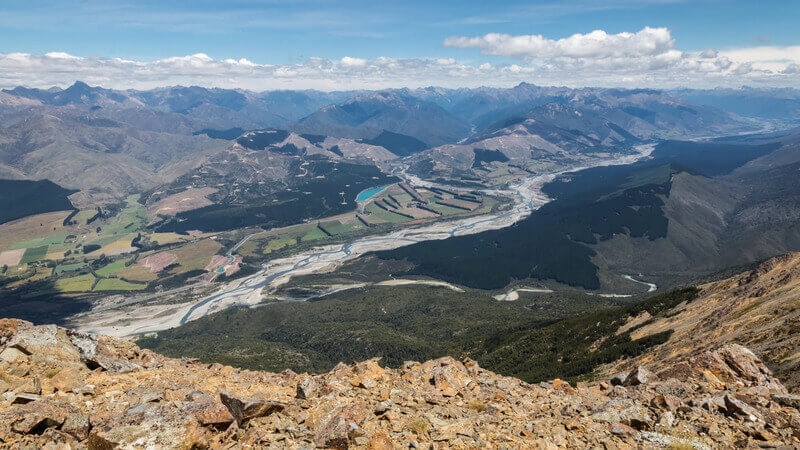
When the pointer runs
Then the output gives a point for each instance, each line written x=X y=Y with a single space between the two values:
x=765 y=57
x=353 y=62
x=647 y=58
x=791 y=69
x=709 y=53
x=60 y=55
x=597 y=44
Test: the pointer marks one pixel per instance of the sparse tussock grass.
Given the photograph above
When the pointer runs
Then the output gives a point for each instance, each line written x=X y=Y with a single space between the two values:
x=477 y=405
x=418 y=425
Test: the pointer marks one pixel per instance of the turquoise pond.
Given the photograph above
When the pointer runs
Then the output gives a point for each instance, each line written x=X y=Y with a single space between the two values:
x=367 y=194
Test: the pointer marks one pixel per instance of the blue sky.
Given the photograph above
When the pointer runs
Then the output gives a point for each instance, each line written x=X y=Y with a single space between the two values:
x=283 y=32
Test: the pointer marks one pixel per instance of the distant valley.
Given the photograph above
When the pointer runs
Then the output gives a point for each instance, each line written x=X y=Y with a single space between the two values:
x=175 y=203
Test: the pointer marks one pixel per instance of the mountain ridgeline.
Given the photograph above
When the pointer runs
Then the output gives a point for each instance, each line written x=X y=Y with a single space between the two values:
x=110 y=143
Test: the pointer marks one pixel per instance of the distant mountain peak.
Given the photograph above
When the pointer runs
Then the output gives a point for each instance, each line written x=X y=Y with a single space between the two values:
x=80 y=85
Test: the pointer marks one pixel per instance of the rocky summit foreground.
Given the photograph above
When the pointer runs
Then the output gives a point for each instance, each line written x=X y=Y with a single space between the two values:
x=63 y=389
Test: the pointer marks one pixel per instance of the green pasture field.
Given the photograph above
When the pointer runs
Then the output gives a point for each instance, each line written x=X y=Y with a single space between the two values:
x=61 y=268
x=34 y=254
x=115 y=284
x=112 y=268
x=80 y=283
x=48 y=240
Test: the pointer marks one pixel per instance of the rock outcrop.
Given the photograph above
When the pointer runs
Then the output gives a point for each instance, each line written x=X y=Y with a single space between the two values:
x=759 y=309
x=59 y=387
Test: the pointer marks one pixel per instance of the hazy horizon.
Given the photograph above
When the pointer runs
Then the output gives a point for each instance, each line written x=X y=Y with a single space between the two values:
x=67 y=85
x=318 y=44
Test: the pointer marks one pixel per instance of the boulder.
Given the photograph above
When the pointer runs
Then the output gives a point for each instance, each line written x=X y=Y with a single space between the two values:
x=340 y=425
x=307 y=388
x=736 y=407
x=99 y=353
x=35 y=417
x=624 y=411
x=30 y=386
x=639 y=375
x=109 y=364
x=379 y=441
x=452 y=431
x=666 y=420
x=449 y=376
x=209 y=412
x=667 y=402
x=620 y=429
x=23 y=398
x=77 y=425
x=618 y=379
x=726 y=365
x=243 y=409
x=368 y=373
x=8 y=327
x=44 y=342
x=791 y=401
x=98 y=440
x=12 y=354
x=744 y=363
x=564 y=386
x=70 y=379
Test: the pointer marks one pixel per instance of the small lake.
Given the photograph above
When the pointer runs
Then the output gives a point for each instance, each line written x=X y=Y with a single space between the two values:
x=367 y=194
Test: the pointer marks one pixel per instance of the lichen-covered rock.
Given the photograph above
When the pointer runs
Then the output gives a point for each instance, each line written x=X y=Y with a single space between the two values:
x=340 y=425
x=209 y=412
x=68 y=379
x=639 y=375
x=36 y=417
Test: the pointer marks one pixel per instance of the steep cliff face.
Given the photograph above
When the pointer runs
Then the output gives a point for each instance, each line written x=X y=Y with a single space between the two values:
x=759 y=309
x=63 y=387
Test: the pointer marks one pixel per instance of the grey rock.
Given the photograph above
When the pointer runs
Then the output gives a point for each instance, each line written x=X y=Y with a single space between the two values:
x=618 y=379
x=639 y=375
x=736 y=407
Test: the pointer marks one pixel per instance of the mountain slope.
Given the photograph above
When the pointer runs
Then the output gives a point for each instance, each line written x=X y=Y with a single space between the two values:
x=215 y=108
x=103 y=159
x=759 y=308
x=693 y=208
x=366 y=115
x=717 y=220
x=228 y=108
x=275 y=178
x=781 y=104
x=569 y=128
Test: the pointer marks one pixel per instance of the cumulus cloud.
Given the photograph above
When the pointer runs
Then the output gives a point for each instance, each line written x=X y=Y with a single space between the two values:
x=353 y=62
x=765 y=57
x=597 y=44
x=647 y=58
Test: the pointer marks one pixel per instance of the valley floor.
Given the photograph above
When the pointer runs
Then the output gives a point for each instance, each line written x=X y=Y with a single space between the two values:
x=248 y=291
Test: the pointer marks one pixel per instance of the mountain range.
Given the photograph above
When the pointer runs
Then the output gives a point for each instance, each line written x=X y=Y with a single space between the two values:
x=146 y=138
